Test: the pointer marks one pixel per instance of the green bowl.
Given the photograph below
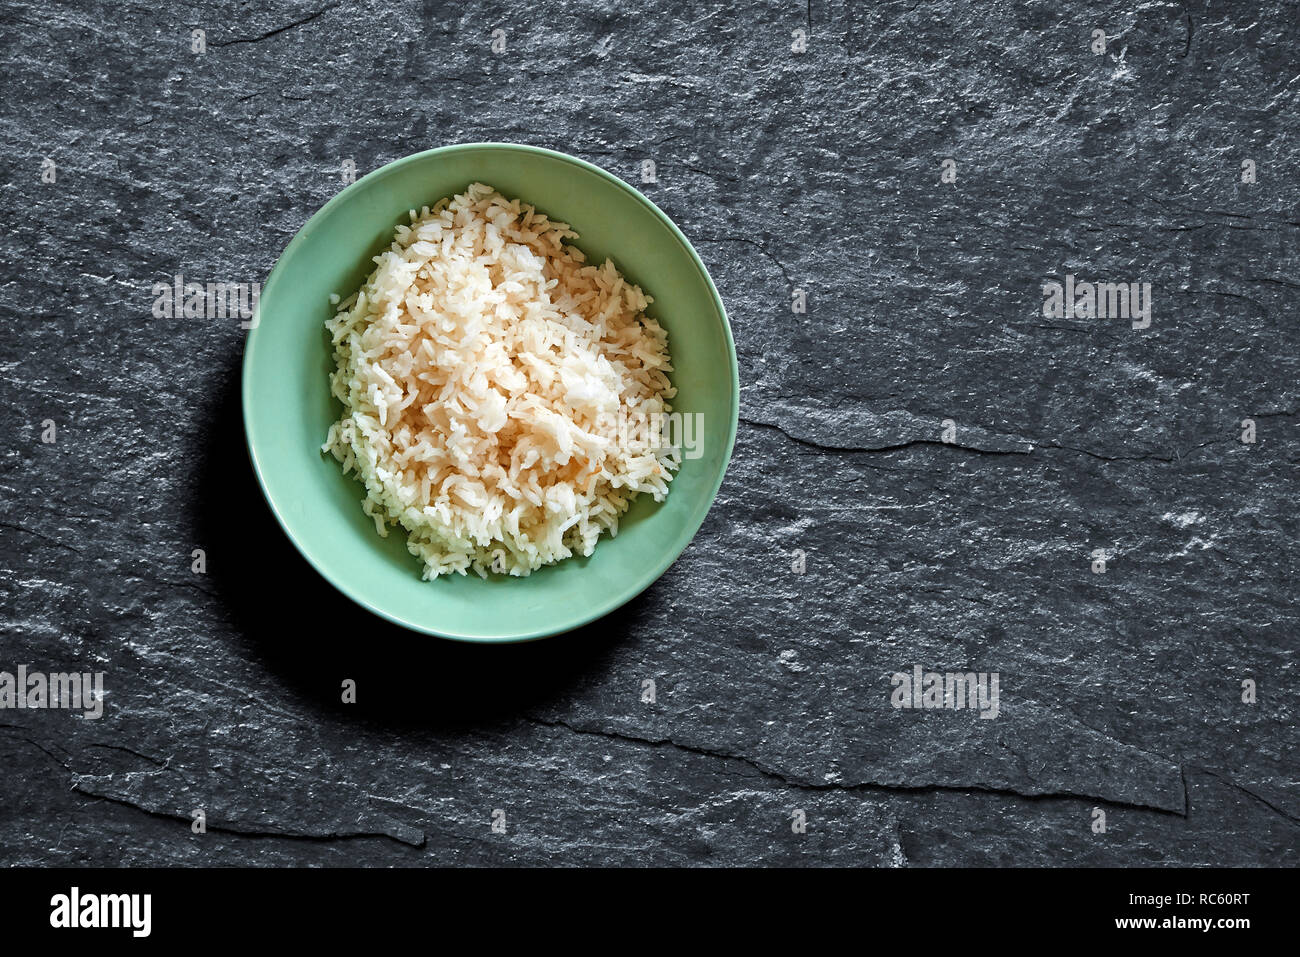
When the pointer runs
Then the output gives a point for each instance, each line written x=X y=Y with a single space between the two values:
x=288 y=407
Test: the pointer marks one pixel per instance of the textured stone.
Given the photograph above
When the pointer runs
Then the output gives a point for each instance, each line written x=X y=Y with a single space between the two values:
x=817 y=171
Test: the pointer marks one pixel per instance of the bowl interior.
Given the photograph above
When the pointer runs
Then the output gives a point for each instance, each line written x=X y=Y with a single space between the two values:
x=288 y=407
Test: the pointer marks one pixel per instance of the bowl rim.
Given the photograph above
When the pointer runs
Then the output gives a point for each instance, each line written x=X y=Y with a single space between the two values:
x=599 y=608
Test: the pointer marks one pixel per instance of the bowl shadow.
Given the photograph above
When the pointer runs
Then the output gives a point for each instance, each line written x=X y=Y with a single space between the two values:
x=313 y=638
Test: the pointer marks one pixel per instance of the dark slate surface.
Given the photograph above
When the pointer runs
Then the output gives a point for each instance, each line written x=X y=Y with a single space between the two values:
x=821 y=171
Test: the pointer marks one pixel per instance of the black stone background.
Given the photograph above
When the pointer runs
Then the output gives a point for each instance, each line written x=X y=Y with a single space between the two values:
x=1120 y=691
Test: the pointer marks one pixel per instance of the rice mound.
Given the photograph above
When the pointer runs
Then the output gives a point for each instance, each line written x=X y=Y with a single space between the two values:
x=487 y=375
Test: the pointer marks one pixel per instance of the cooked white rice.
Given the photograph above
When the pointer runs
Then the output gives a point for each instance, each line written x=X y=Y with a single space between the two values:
x=484 y=372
